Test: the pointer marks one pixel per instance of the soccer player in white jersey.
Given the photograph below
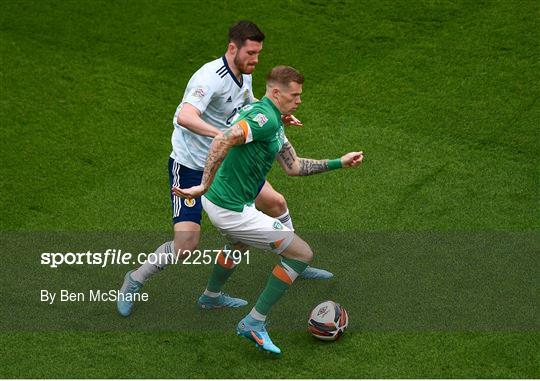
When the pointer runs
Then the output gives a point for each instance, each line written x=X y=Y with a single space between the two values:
x=213 y=96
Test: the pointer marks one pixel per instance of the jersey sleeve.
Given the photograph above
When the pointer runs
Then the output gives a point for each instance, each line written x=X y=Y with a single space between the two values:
x=257 y=126
x=201 y=89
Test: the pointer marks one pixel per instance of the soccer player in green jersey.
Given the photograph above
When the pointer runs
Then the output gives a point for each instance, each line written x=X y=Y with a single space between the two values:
x=212 y=98
x=238 y=161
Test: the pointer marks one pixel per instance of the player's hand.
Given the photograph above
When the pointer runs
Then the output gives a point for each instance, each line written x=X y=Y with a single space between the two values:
x=352 y=159
x=290 y=120
x=192 y=192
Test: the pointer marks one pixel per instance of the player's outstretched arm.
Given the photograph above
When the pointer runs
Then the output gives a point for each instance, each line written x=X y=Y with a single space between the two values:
x=297 y=166
x=221 y=144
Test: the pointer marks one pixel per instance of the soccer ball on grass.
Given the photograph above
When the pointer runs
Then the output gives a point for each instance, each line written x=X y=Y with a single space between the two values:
x=328 y=321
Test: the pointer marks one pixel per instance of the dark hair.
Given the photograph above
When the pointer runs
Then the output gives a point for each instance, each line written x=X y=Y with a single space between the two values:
x=245 y=30
x=283 y=75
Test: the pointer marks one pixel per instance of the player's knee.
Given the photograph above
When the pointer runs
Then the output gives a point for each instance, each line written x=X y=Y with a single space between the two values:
x=299 y=250
x=185 y=245
x=278 y=205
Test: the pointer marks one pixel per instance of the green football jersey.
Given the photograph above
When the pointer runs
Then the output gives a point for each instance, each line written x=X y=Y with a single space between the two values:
x=245 y=167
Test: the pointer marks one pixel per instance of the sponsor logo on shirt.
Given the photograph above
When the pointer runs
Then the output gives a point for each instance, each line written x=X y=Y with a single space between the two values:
x=261 y=119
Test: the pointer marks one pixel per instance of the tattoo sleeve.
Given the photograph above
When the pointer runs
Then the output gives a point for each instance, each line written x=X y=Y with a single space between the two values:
x=218 y=150
x=287 y=155
x=295 y=166
x=311 y=167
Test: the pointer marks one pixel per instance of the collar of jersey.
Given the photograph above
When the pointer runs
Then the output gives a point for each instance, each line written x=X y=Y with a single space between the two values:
x=231 y=73
x=268 y=101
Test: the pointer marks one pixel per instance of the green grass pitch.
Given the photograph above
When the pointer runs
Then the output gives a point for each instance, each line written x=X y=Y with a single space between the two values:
x=442 y=97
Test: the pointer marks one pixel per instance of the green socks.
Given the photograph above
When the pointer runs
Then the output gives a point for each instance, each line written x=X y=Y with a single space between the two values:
x=222 y=270
x=280 y=280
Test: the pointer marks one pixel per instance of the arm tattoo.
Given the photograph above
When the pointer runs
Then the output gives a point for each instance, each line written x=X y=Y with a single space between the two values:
x=217 y=153
x=287 y=155
x=310 y=166
x=218 y=150
x=228 y=133
x=299 y=166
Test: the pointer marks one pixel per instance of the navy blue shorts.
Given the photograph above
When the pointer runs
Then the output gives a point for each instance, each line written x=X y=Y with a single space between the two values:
x=184 y=177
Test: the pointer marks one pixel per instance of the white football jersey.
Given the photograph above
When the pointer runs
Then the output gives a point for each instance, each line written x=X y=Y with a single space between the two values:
x=218 y=95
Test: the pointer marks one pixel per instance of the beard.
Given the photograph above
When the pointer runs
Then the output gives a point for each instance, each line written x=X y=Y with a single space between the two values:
x=243 y=67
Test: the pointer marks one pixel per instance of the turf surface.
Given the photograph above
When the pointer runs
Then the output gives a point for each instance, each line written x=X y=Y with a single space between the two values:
x=442 y=96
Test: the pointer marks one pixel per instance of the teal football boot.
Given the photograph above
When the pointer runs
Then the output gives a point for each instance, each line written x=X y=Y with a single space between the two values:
x=255 y=331
x=130 y=286
x=223 y=300
x=315 y=273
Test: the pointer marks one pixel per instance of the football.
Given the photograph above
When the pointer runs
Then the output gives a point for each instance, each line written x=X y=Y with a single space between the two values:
x=328 y=321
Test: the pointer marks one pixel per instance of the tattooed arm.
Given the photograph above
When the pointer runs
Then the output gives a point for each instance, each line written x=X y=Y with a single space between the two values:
x=218 y=150
x=297 y=166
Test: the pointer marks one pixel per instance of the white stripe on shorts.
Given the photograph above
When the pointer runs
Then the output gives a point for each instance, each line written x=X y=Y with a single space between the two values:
x=177 y=201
